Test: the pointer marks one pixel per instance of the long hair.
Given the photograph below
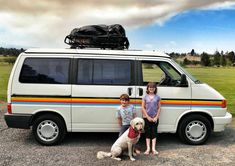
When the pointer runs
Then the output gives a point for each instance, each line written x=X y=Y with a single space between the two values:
x=151 y=85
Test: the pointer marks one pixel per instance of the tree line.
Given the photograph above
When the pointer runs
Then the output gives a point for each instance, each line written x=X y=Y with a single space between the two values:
x=218 y=59
x=10 y=51
x=10 y=54
x=206 y=59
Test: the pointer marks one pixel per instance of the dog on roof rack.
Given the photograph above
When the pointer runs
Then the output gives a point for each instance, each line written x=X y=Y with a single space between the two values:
x=126 y=141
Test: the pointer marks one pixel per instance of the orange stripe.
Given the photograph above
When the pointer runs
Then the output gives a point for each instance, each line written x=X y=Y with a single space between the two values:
x=112 y=101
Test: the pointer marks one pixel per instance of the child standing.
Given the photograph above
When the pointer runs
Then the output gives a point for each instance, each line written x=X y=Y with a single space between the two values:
x=151 y=109
x=126 y=112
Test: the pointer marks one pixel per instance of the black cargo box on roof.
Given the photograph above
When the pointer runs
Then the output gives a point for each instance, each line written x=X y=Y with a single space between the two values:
x=98 y=36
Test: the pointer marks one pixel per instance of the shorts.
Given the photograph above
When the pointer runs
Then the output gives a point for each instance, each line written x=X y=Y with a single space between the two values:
x=150 y=129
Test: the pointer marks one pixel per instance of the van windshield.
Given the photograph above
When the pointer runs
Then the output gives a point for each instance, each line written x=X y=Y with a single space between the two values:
x=196 y=81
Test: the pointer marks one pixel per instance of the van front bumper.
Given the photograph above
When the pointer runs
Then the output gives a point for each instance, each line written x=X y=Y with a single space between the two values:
x=18 y=121
x=221 y=122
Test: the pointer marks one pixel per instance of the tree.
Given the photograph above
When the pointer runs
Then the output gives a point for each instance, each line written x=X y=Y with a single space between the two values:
x=192 y=52
x=222 y=52
x=205 y=59
x=223 y=61
x=10 y=60
x=231 y=57
x=217 y=58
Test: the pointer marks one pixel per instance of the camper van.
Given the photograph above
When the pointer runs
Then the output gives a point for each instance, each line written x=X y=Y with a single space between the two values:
x=55 y=91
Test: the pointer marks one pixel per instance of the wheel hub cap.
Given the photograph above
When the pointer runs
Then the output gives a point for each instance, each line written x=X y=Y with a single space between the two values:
x=196 y=130
x=47 y=130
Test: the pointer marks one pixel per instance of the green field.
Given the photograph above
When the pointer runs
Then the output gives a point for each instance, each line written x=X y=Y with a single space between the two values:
x=5 y=70
x=222 y=79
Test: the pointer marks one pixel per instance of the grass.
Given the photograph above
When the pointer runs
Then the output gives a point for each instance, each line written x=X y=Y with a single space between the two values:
x=5 y=70
x=222 y=79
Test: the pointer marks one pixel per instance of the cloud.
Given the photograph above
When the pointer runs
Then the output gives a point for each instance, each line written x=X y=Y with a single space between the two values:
x=45 y=23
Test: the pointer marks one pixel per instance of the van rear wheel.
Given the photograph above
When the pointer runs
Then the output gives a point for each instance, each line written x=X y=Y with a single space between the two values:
x=194 y=129
x=49 y=129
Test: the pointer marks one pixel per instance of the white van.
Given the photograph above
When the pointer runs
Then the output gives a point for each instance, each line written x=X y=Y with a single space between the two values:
x=77 y=90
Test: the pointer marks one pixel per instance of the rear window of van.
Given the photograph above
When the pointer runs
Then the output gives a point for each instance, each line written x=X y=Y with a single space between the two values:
x=45 y=70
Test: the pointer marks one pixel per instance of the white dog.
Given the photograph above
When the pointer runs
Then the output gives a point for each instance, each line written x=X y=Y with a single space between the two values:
x=126 y=141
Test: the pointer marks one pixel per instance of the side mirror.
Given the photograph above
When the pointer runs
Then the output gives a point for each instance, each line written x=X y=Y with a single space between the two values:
x=183 y=81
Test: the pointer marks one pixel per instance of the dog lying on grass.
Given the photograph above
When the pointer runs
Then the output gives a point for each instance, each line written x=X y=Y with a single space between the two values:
x=126 y=141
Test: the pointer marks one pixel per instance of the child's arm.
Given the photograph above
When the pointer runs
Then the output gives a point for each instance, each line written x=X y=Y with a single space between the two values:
x=158 y=111
x=119 y=117
x=134 y=112
x=120 y=121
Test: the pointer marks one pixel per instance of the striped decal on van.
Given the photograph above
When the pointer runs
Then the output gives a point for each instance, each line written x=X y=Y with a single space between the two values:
x=41 y=100
x=194 y=103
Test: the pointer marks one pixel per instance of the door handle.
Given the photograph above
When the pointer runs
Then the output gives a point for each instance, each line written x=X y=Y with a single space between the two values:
x=141 y=92
x=129 y=90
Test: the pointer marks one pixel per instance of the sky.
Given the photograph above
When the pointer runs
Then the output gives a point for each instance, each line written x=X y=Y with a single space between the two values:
x=164 y=25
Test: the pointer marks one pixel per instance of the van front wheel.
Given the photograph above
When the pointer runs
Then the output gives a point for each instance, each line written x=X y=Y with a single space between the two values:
x=49 y=129
x=194 y=129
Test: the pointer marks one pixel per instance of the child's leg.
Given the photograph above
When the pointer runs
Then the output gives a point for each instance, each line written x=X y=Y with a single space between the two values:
x=148 y=146
x=154 y=147
x=147 y=135
x=153 y=144
x=154 y=135
x=123 y=129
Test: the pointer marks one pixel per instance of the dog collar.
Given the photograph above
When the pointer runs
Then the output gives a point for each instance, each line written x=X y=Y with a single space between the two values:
x=132 y=133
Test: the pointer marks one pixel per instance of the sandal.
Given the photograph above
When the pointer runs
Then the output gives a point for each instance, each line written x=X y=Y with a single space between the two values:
x=147 y=152
x=155 y=152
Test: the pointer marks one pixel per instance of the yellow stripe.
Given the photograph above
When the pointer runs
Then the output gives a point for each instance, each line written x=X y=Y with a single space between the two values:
x=206 y=102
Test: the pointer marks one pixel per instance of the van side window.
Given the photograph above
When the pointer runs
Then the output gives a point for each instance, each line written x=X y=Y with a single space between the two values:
x=163 y=73
x=104 y=72
x=45 y=70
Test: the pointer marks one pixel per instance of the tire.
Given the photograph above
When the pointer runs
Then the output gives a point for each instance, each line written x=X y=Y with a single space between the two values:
x=194 y=129
x=49 y=129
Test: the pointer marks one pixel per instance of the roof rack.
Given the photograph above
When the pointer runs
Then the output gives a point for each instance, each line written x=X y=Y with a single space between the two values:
x=98 y=36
